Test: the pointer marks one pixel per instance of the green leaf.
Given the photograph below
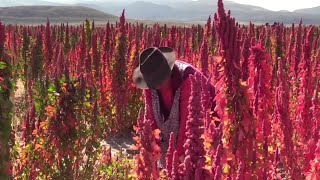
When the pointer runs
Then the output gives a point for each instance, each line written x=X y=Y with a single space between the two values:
x=51 y=89
x=2 y=65
x=62 y=80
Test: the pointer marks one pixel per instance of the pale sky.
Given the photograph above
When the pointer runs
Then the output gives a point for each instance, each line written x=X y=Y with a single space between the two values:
x=275 y=5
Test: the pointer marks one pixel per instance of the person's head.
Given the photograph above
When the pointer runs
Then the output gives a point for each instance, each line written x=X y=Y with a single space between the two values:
x=155 y=67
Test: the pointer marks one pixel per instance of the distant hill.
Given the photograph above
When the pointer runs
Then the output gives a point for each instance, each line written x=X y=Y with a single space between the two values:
x=149 y=10
x=58 y=14
x=313 y=11
x=199 y=11
x=179 y=11
x=135 y=10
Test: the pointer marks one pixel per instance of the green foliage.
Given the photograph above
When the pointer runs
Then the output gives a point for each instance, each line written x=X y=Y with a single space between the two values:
x=119 y=169
x=5 y=117
x=88 y=31
x=2 y=65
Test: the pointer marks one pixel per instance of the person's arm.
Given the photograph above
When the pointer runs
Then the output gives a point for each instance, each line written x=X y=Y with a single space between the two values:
x=184 y=103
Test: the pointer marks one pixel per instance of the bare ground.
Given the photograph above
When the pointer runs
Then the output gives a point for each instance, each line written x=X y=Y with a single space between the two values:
x=121 y=143
x=19 y=104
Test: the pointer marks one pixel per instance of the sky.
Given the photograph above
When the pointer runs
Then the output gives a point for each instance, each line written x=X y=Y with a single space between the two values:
x=274 y=5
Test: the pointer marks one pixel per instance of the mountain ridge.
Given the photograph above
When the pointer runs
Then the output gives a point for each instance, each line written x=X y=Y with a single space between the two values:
x=56 y=14
x=199 y=11
x=246 y=13
x=36 y=15
x=190 y=11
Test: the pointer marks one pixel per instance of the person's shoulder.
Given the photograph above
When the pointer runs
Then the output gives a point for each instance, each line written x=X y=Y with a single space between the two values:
x=183 y=64
x=185 y=89
x=187 y=79
x=185 y=68
x=186 y=82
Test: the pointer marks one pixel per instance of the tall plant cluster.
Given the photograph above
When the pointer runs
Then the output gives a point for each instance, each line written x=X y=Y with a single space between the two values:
x=266 y=98
x=6 y=90
x=262 y=123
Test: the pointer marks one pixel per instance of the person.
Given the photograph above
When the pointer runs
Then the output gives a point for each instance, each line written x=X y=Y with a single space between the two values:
x=167 y=85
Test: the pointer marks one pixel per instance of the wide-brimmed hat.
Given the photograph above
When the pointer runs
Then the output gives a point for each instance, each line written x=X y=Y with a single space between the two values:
x=155 y=66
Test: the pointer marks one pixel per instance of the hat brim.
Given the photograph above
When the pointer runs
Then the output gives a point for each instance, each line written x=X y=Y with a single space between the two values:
x=138 y=77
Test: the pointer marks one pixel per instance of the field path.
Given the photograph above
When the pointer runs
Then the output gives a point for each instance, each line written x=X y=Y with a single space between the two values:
x=19 y=104
x=121 y=143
